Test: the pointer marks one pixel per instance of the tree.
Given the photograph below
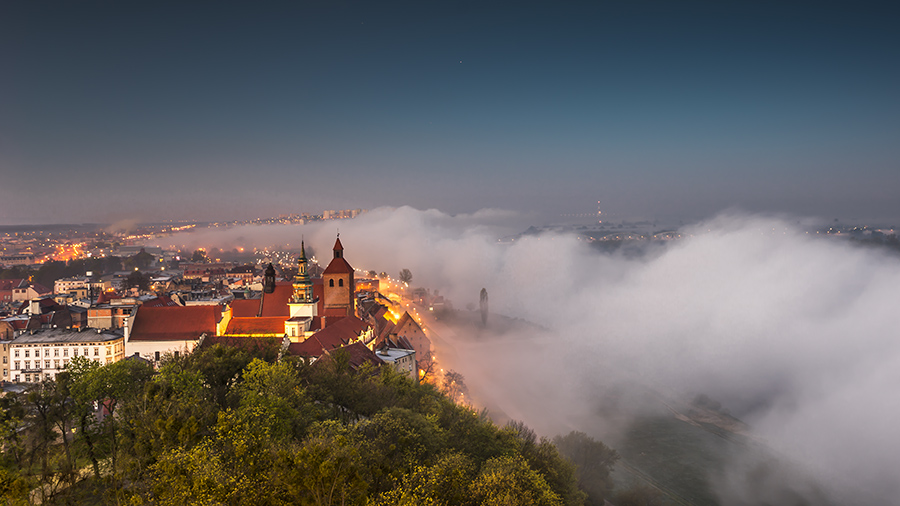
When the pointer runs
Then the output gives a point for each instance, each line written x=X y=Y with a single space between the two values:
x=142 y=260
x=509 y=480
x=454 y=385
x=199 y=256
x=593 y=463
x=139 y=280
x=405 y=276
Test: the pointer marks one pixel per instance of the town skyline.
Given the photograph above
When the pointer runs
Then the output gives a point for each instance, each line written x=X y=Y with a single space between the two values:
x=183 y=112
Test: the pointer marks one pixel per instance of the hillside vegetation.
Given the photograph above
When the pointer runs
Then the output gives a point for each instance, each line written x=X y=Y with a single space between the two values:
x=228 y=425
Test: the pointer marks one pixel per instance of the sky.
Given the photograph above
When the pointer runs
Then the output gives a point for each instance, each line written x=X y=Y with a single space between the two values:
x=238 y=110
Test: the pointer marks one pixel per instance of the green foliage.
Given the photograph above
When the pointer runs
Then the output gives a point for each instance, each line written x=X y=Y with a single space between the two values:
x=593 y=461
x=508 y=480
x=226 y=425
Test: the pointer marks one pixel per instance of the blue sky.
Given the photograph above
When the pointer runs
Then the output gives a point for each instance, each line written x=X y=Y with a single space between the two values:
x=662 y=110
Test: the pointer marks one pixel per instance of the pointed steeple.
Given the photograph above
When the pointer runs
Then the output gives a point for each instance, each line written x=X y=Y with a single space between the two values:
x=338 y=248
x=303 y=289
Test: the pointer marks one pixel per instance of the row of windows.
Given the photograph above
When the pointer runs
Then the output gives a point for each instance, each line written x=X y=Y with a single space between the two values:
x=37 y=365
x=65 y=352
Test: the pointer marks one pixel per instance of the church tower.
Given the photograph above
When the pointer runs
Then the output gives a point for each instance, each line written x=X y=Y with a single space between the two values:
x=339 y=285
x=302 y=302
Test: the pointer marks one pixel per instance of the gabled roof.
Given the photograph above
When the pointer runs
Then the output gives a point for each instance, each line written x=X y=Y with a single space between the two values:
x=41 y=289
x=342 y=332
x=271 y=325
x=334 y=336
x=338 y=266
x=175 y=323
x=359 y=355
x=308 y=348
x=9 y=284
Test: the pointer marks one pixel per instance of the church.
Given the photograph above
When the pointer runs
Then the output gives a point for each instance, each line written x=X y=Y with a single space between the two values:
x=297 y=308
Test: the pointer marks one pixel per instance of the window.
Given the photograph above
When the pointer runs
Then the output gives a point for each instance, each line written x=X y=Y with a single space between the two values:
x=96 y=352
x=16 y=378
x=65 y=362
x=46 y=364
x=15 y=364
x=16 y=353
x=27 y=378
x=55 y=352
x=86 y=352
x=26 y=353
x=4 y=372
x=27 y=364
x=47 y=352
x=157 y=356
x=4 y=359
x=340 y=282
x=108 y=351
x=331 y=283
x=74 y=352
x=66 y=352
x=56 y=364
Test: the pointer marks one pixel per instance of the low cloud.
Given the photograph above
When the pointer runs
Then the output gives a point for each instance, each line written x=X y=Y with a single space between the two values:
x=794 y=334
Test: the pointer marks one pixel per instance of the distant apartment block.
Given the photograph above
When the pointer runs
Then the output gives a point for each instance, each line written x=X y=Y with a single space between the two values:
x=20 y=259
x=342 y=214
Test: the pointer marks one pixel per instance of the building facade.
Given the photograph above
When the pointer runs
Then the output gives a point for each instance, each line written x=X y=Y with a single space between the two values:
x=42 y=354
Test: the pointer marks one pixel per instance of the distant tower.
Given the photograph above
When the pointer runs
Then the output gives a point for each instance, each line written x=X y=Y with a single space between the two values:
x=599 y=220
x=303 y=302
x=483 y=303
x=269 y=279
x=339 y=285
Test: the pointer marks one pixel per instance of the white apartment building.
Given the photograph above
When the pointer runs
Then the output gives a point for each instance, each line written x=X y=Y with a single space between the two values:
x=41 y=354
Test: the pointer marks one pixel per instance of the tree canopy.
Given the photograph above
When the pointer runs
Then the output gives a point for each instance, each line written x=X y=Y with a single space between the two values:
x=241 y=425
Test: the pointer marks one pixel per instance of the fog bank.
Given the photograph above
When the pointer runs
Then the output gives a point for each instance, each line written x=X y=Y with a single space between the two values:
x=796 y=335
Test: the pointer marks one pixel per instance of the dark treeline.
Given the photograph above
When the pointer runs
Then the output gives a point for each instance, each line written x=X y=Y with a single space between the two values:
x=229 y=425
x=49 y=272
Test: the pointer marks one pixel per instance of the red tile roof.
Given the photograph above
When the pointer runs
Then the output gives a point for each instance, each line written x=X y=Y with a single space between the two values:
x=41 y=289
x=244 y=308
x=175 y=323
x=9 y=284
x=334 y=336
x=338 y=266
x=359 y=355
x=276 y=303
x=272 y=325
x=341 y=332
x=308 y=348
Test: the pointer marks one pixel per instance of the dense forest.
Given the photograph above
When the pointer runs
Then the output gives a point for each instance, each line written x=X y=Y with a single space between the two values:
x=241 y=425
